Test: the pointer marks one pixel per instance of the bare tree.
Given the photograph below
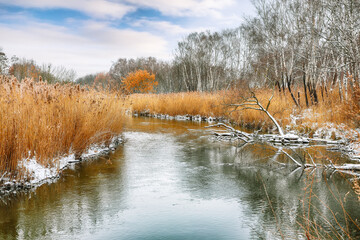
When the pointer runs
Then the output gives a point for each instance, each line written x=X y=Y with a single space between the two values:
x=4 y=62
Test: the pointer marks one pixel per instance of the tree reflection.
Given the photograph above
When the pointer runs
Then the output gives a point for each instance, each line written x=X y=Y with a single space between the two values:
x=287 y=201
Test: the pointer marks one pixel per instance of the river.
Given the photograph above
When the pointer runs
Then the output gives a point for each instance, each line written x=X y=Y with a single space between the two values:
x=170 y=181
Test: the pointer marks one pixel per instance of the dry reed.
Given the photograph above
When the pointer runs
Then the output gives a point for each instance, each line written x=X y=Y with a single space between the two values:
x=329 y=109
x=321 y=221
x=48 y=121
x=192 y=103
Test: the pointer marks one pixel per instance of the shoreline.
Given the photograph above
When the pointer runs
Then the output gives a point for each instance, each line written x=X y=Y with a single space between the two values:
x=39 y=175
x=350 y=146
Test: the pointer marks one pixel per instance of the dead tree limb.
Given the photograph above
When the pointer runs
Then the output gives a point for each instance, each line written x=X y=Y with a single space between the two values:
x=248 y=104
x=1 y=178
x=245 y=135
x=290 y=157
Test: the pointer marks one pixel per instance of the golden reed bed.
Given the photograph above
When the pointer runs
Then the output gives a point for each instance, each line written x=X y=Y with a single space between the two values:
x=49 y=121
x=330 y=108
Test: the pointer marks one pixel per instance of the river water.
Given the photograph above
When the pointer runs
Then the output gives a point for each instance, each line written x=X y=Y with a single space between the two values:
x=170 y=181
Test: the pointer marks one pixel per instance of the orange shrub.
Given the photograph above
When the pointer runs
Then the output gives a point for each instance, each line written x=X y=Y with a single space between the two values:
x=140 y=81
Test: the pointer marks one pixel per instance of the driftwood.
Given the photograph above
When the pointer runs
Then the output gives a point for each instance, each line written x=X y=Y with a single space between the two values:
x=285 y=139
x=253 y=103
x=280 y=141
x=2 y=177
x=246 y=137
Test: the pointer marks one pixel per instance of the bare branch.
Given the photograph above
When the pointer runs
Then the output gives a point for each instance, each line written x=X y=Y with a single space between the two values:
x=289 y=156
x=246 y=135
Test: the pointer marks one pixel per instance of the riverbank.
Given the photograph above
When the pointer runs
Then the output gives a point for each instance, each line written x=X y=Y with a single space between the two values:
x=329 y=108
x=174 y=182
x=44 y=127
x=38 y=174
x=332 y=118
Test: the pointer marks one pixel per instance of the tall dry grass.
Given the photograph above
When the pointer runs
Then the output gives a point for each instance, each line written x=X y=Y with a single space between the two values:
x=47 y=121
x=329 y=109
x=192 y=103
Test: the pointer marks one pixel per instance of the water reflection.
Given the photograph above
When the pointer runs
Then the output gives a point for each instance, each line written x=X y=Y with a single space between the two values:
x=169 y=181
x=285 y=200
x=80 y=200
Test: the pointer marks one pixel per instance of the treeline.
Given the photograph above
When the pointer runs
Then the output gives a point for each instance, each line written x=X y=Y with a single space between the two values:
x=299 y=47
x=28 y=68
x=289 y=44
x=313 y=44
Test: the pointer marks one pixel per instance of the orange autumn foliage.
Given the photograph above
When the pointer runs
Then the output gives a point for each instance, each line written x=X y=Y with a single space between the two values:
x=140 y=81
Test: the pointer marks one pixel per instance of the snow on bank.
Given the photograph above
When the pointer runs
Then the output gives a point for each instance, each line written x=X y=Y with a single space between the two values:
x=327 y=130
x=187 y=117
x=37 y=174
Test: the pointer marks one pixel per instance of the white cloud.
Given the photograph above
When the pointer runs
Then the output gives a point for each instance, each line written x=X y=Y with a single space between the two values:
x=89 y=48
x=194 y=8
x=195 y=15
x=95 y=8
x=166 y=27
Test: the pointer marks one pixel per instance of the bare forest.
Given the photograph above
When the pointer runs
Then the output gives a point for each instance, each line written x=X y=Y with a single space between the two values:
x=298 y=47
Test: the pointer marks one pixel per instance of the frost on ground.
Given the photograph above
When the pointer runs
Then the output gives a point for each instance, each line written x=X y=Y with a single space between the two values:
x=329 y=131
x=38 y=174
x=326 y=130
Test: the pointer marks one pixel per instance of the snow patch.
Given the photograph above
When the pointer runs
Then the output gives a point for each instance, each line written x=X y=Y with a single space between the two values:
x=39 y=173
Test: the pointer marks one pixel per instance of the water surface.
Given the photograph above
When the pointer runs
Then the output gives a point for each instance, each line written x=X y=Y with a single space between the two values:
x=170 y=181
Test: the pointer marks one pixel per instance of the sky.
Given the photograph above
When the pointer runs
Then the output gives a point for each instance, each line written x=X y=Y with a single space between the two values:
x=90 y=35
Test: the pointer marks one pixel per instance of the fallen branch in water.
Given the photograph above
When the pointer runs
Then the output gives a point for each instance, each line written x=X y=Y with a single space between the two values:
x=233 y=132
x=253 y=103
x=286 y=139
x=1 y=178
x=345 y=168
x=289 y=156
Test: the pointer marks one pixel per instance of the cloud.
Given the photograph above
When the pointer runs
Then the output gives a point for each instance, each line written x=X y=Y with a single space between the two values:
x=95 y=8
x=116 y=9
x=89 y=48
x=165 y=27
x=194 y=15
x=90 y=45
x=194 y=8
